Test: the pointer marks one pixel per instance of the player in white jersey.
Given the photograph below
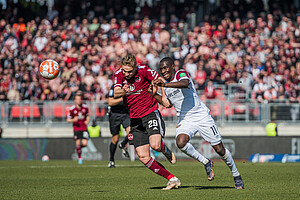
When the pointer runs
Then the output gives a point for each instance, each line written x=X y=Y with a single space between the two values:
x=193 y=116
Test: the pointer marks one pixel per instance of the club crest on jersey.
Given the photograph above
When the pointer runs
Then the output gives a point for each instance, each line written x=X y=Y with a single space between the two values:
x=138 y=79
x=131 y=87
x=130 y=136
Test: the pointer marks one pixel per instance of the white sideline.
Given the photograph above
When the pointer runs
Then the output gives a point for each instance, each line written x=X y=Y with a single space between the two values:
x=66 y=166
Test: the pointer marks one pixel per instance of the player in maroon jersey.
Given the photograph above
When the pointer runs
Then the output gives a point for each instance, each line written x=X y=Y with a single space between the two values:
x=147 y=125
x=79 y=116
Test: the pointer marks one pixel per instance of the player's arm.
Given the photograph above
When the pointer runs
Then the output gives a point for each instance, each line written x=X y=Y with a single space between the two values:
x=87 y=121
x=119 y=92
x=71 y=120
x=184 y=83
x=162 y=99
x=113 y=102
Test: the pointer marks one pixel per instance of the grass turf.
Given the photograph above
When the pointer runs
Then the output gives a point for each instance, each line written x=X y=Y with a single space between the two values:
x=131 y=180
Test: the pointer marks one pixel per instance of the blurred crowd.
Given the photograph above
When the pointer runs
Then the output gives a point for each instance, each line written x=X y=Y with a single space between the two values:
x=256 y=51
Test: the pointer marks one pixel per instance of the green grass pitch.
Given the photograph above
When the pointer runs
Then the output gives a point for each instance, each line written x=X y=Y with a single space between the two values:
x=131 y=180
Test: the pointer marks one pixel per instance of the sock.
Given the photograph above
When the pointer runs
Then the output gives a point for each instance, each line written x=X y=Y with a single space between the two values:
x=159 y=169
x=112 y=150
x=78 y=149
x=230 y=163
x=190 y=150
x=124 y=142
x=164 y=148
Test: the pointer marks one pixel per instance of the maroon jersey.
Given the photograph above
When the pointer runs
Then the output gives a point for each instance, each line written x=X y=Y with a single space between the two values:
x=81 y=114
x=139 y=102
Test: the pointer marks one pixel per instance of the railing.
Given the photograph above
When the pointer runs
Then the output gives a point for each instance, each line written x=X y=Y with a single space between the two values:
x=224 y=112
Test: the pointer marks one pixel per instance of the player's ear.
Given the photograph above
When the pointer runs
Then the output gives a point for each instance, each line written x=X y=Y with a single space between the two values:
x=173 y=66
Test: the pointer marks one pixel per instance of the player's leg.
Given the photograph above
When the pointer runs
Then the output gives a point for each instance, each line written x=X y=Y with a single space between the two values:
x=227 y=157
x=126 y=125
x=182 y=142
x=156 y=167
x=209 y=131
x=155 y=127
x=78 y=150
x=114 y=126
x=138 y=136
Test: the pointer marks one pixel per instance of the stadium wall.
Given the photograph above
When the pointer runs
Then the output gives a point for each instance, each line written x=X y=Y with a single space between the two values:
x=53 y=131
x=98 y=148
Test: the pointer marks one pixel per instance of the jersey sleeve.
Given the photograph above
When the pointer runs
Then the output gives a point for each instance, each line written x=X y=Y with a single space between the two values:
x=70 y=114
x=181 y=75
x=111 y=92
x=118 y=82
x=151 y=74
x=87 y=111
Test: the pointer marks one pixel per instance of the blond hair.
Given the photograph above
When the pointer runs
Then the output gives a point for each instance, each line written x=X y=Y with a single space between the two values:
x=129 y=60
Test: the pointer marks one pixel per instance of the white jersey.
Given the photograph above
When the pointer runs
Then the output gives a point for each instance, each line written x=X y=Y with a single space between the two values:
x=186 y=100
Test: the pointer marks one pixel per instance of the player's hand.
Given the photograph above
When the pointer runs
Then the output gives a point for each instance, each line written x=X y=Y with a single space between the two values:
x=126 y=88
x=152 y=89
x=75 y=119
x=86 y=122
x=159 y=82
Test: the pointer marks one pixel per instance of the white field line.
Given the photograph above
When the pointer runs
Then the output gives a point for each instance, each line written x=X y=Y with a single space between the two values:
x=66 y=166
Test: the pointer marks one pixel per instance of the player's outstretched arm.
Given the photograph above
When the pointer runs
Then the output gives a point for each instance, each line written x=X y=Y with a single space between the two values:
x=163 y=100
x=179 y=84
x=113 y=102
x=119 y=92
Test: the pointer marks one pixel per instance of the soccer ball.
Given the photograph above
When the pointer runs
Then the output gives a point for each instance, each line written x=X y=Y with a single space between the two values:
x=49 y=69
x=45 y=158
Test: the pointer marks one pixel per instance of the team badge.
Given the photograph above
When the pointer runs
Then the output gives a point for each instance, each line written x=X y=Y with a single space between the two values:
x=130 y=136
x=137 y=79
x=131 y=87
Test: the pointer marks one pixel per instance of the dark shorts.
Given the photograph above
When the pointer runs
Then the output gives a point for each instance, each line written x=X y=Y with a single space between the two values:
x=115 y=121
x=81 y=135
x=142 y=128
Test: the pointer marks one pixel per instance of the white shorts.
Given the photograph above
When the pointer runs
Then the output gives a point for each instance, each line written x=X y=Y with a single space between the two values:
x=205 y=126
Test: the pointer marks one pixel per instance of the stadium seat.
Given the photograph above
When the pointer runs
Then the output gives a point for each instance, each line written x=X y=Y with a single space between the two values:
x=26 y=111
x=216 y=110
x=58 y=111
x=100 y=113
x=228 y=109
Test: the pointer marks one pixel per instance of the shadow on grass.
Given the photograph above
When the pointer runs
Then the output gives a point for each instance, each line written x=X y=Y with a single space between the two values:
x=99 y=191
x=197 y=187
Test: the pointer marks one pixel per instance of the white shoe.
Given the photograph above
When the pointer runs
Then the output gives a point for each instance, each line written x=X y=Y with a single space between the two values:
x=111 y=164
x=173 y=183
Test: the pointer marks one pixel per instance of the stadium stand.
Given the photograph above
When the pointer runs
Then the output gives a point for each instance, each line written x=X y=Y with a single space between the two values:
x=255 y=47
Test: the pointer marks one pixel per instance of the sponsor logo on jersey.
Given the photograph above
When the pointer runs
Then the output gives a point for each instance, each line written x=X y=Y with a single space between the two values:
x=125 y=82
x=173 y=93
x=182 y=74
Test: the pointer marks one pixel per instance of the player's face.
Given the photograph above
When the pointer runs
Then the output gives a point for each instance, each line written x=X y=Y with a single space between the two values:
x=78 y=100
x=167 y=70
x=128 y=71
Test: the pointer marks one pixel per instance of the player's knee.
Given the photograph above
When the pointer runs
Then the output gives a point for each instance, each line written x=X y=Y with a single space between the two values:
x=220 y=149
x=156 y=146
x=144 y=159
x=181 y=142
